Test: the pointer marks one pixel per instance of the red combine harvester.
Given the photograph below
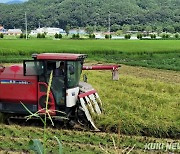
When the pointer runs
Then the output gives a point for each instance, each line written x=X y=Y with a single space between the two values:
x=28 y=83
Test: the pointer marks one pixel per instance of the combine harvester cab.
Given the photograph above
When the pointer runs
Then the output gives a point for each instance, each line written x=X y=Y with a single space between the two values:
x=28 y=83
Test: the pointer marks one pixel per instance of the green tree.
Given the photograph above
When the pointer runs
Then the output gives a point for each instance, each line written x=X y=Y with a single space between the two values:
x=60 y=36
x=115 y=27
x=56 y=36
x=75 y=36
x=1 y=35
x=92 y=36
x=127 y=36
x=108 y=36
x=139 y=36
x=159 y=30
x=153 y=36
x=43 y=35
x=38 y=35
x=165 y=36
x=176 y=35
x=169 y=29
x=119 y=32
x=24 y=36
x=67 y=28
x=125 y=28
x=89 y=29
x=21 y=36
x=148 y=29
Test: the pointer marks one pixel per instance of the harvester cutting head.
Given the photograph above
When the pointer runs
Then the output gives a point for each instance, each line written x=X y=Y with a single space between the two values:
x=90 y=102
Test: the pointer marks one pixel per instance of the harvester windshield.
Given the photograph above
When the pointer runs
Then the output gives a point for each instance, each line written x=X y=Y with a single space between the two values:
x=74 y=69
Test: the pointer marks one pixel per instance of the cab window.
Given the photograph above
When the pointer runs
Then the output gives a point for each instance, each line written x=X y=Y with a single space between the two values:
x=74 y=69
x=32 y=67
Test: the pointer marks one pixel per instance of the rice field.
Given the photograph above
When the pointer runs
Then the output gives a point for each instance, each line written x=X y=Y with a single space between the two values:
x=88 y=46
x=143 y=102
x=142 y=107
x=162 y=54
x=15 y=139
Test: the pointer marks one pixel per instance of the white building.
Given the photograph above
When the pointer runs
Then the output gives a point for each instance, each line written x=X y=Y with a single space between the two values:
x=2 y=30
x=77 y=31
x=99 y=35
x=33 y=32
x=48 y=31
x=14 y=32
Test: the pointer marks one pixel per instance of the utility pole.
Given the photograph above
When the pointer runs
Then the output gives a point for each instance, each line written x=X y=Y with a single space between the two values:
x=109 y=20
x=26 y=24
x=39 y=25
x=95 y=26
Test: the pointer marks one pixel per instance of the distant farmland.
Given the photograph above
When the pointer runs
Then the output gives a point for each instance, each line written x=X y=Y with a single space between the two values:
x=164 y=54
x=86 y=46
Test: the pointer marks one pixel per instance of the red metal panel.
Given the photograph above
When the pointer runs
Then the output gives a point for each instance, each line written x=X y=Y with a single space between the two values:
x=87 y=93
x=101 y=67
x=15 y=87
x=59 y=56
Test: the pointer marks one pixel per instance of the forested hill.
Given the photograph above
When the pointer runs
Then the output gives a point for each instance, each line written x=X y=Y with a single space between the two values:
x=80 y=13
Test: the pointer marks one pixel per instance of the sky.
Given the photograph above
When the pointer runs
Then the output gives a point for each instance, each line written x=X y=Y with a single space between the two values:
x=5 y=1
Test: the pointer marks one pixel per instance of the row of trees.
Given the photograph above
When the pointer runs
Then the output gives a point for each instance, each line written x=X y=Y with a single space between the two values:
x=58 y=36
x=140 y=36
x=125 y=28
x=92 y=36
x=153 y=36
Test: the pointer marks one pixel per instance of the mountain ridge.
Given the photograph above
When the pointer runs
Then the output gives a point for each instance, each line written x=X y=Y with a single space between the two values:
x=138 y=14
x=14 y=2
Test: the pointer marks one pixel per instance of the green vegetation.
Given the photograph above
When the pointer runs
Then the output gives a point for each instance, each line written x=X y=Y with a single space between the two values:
x=108 y=36
x=139 y=36
x=165 y=36
x=92 y=36
x=58 y=36
x=139 y=103
x=127 y=36
x=164 y=54
x=1 y=35
x=148 y=15
x=36 y=144
x=143 y=102
x=176 y=35
x=15 y=138
x=75 y=36
x=153 y=36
